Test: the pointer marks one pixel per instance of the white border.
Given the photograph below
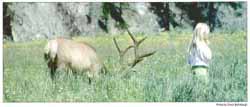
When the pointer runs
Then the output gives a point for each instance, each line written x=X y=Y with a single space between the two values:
x=115 y=104
x=1 y=53
x=248 y=56
x=125 y=104
x=119 y=0
x=181 y=104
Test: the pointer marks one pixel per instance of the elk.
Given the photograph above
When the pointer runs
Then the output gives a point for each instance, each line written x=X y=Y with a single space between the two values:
x=137 y=57
x=65 y=54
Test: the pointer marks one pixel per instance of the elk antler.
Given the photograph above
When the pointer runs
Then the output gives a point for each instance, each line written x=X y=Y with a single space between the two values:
x=121 y=52
x=140 y=58
x=136 y=44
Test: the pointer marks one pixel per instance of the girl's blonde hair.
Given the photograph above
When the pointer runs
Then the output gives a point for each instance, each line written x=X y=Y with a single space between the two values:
x=200 y=34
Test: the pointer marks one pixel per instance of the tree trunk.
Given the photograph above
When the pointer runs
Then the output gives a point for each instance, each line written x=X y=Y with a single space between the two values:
x=6 y=23
x=211 y=16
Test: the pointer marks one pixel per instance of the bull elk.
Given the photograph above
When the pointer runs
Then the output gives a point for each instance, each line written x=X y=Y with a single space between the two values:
x=65 y=54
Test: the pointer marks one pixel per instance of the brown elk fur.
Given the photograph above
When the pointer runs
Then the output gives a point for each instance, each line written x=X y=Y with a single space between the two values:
x=77 y=56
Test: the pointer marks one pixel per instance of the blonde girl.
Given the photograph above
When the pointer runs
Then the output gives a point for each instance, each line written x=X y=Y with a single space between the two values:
x=199 y=54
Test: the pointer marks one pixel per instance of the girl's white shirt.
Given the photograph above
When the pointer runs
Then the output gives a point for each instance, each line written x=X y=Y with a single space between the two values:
x=200 y=56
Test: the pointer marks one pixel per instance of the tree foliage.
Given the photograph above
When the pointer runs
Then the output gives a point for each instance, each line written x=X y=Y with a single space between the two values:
x=113 y=10
x=195 y=11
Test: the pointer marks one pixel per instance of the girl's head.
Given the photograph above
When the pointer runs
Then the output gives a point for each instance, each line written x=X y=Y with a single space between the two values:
x=200 y=33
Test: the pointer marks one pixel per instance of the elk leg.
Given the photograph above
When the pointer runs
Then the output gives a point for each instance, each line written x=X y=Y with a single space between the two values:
x=74 y=73
x=89 y=80
x=53 y=68
x=90 y=76
x=52 y=72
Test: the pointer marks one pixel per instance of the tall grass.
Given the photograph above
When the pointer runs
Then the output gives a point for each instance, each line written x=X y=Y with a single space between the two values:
x=163 y=77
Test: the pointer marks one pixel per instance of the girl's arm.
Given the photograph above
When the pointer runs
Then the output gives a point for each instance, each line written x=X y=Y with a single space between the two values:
x=205 y=53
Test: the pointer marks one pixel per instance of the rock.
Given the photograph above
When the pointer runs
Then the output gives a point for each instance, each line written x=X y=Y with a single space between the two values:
x=33 y=21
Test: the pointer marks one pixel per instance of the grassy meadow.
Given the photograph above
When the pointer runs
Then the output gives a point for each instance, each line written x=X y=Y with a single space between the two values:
x=163 y=77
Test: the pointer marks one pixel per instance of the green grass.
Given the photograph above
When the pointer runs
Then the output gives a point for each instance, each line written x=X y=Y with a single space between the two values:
x=163 y=77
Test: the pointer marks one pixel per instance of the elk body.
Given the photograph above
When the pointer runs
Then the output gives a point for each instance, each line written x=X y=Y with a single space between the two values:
x=64 y=54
